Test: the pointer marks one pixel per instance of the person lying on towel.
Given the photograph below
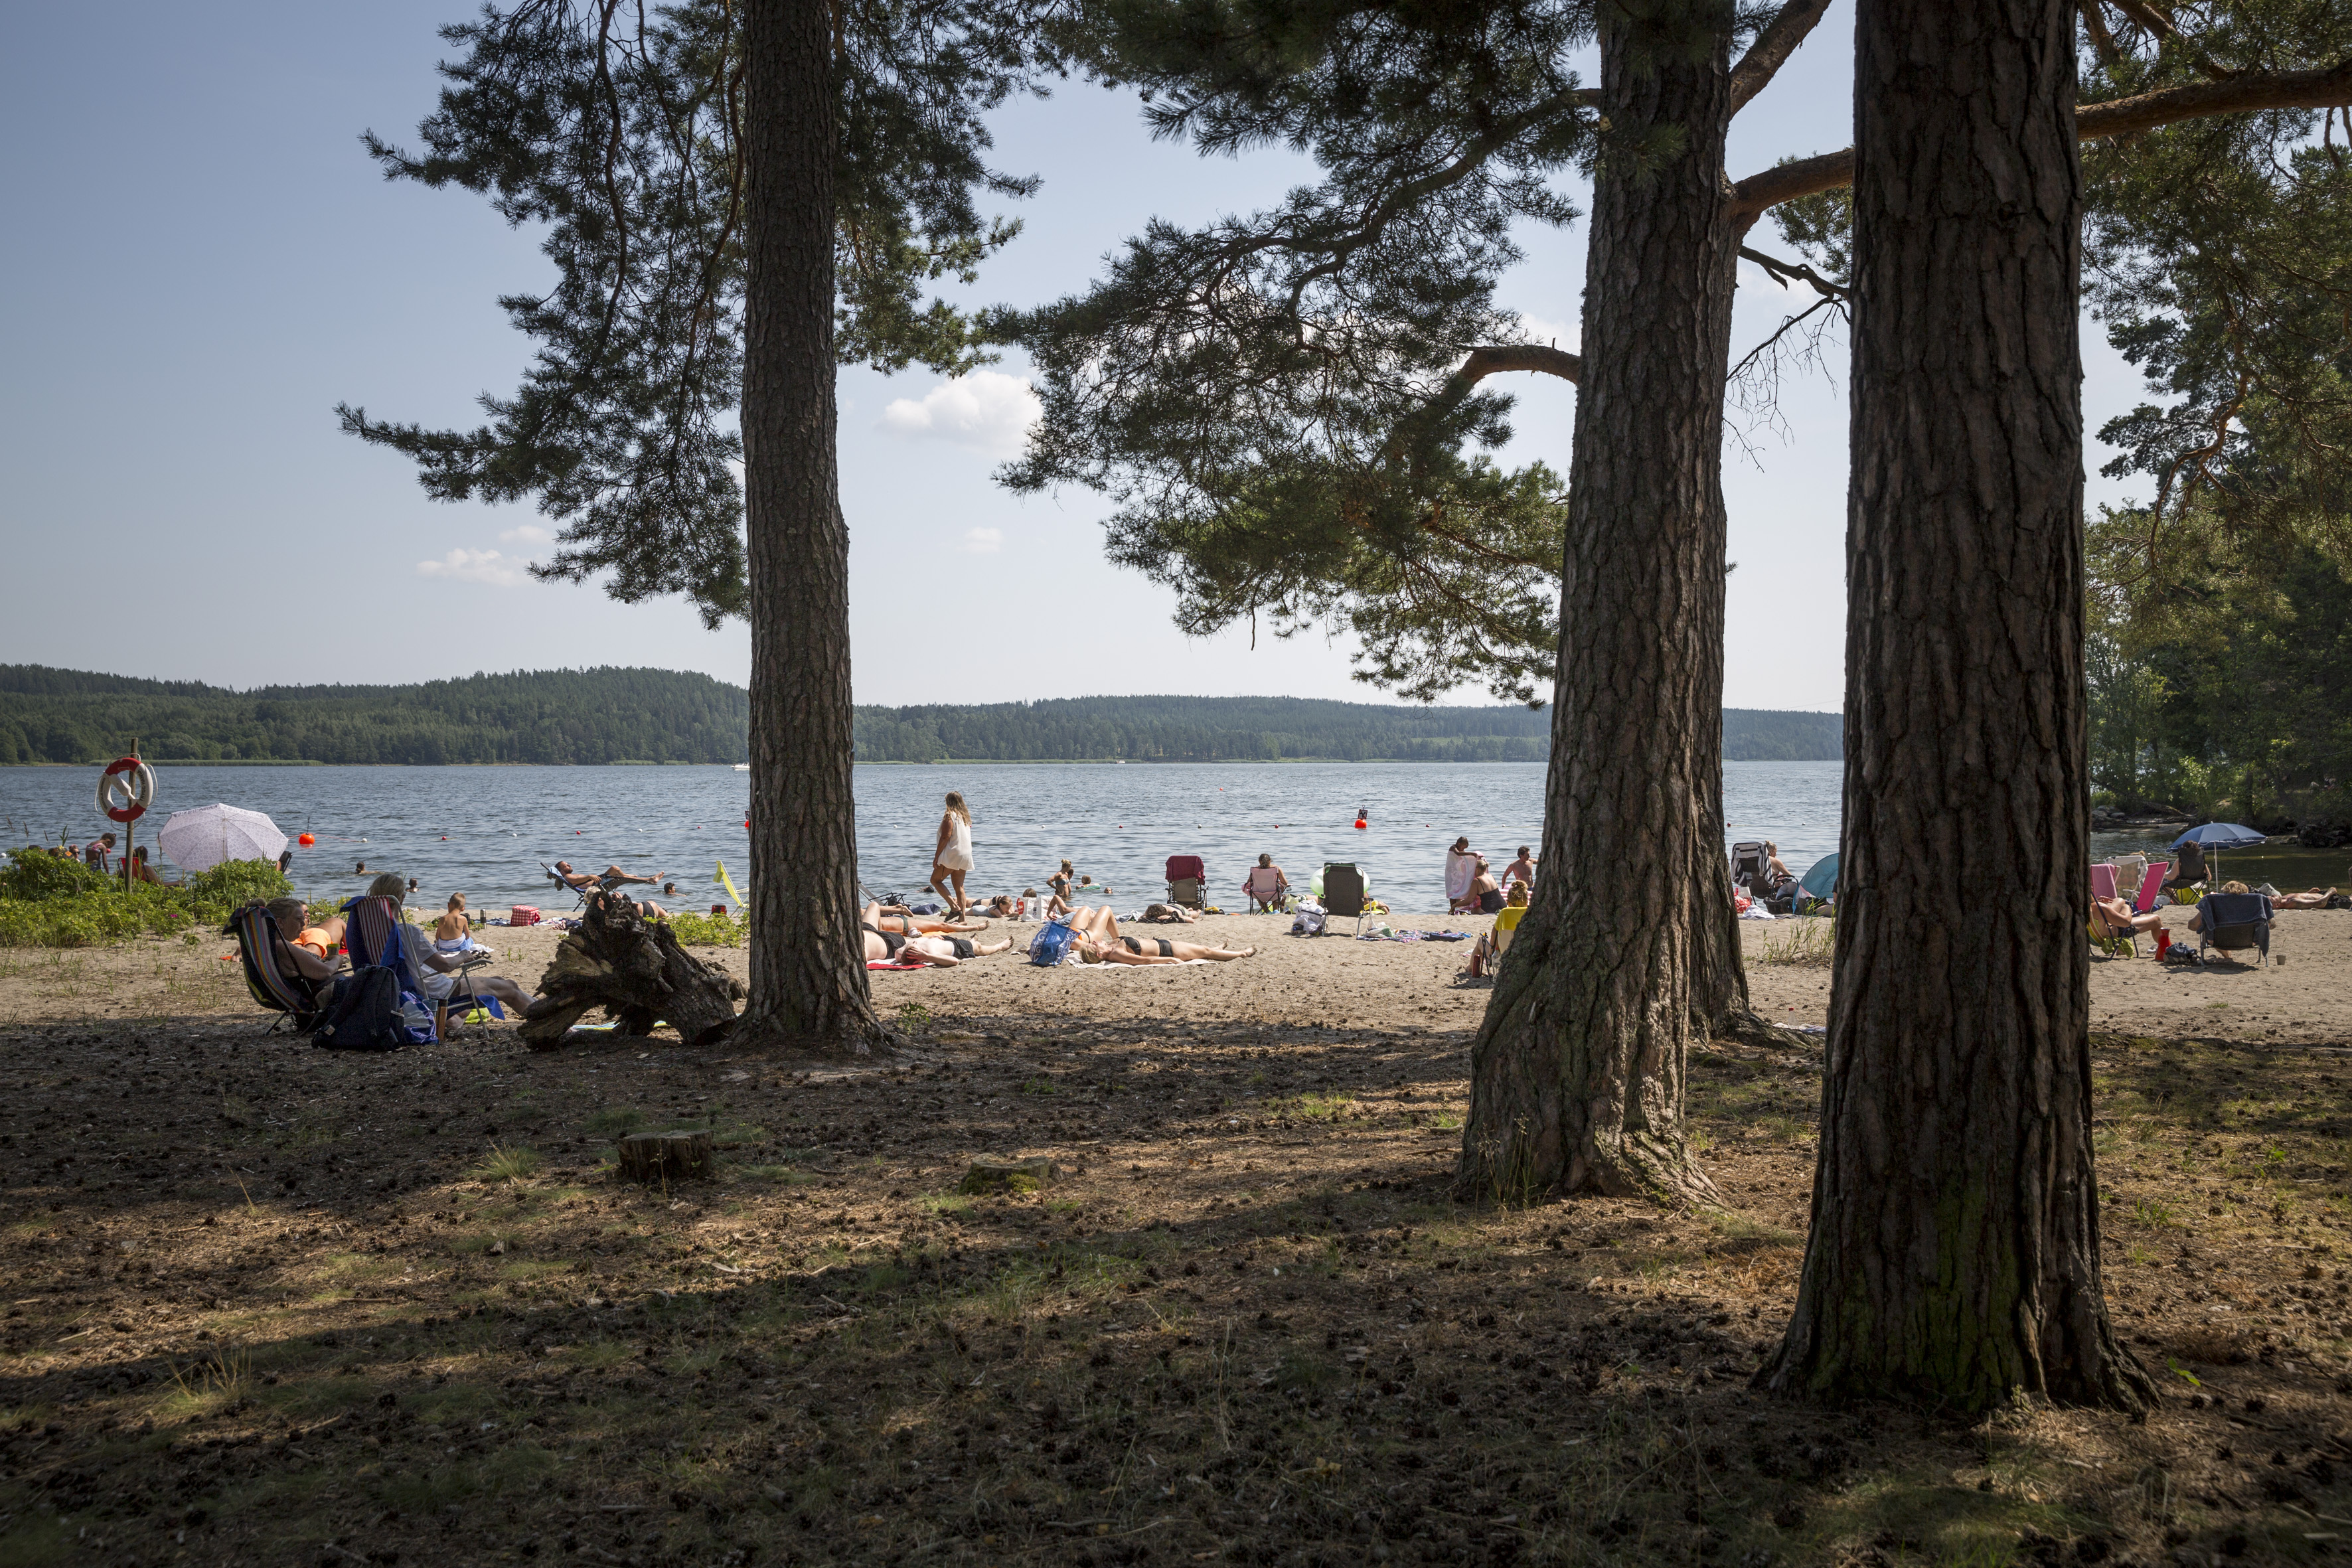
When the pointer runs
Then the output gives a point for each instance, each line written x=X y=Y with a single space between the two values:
x=905 y=922
x=939 y=951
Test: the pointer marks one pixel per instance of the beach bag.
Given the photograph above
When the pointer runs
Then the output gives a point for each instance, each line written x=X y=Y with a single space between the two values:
x=1052 y=942
x=365 y=1013
x=1307 y=920
x=523 y=915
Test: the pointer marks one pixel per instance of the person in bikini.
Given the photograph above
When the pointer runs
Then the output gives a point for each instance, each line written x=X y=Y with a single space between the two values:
x=905 y=922
x=1098 y=941
x=942 y=951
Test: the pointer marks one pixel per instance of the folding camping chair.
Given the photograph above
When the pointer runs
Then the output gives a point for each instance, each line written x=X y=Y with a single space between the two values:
x=579 y=895
x=1343 y=892
x=1751 y=869
x=1186 y=877
x=269 y=973
x=2234 y=922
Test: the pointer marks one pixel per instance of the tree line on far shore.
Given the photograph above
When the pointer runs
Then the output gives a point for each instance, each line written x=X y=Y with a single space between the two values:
x=617 y=715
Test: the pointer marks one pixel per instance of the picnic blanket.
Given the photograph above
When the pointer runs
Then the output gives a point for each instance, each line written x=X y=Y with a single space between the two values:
x=888 y=964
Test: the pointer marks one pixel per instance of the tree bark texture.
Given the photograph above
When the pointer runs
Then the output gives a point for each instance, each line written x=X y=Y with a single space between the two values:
x=1576 y=1071
x=808 y=971
x=1954 y=1255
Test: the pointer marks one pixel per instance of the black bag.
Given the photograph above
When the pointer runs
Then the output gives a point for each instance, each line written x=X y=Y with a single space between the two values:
x=363 y=1014
x=2338 y=901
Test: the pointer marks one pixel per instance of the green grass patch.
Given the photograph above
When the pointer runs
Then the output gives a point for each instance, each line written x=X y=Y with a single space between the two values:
x=694 y=930
x=507 y=1164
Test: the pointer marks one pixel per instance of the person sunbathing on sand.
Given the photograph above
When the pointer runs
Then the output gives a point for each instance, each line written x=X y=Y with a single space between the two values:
x=2310 y=899
x=905 y=922
x=940 y=951
x=1150 y=949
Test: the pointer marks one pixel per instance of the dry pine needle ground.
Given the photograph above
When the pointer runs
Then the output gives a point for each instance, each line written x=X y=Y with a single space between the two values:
x=269 y=1305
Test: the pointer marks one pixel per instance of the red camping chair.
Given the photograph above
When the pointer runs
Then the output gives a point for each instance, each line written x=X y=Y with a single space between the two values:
x=1186 y=879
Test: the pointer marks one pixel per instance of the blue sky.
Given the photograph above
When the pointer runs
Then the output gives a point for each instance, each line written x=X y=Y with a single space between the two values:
x=200 y=262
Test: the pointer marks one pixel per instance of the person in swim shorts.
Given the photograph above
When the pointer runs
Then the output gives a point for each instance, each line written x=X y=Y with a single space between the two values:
x=939 y=951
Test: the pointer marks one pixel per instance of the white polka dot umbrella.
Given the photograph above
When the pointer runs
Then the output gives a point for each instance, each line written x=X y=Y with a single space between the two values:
x=207 y=836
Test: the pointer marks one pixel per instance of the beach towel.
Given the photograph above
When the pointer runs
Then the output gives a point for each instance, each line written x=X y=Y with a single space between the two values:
x=1461 y=870
x=886 y=963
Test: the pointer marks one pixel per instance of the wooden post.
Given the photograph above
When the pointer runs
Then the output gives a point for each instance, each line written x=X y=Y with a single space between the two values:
x=129 y=829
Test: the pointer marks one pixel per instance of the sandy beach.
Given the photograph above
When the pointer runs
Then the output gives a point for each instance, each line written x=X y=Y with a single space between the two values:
x=273 y=1305
x=1331 y=980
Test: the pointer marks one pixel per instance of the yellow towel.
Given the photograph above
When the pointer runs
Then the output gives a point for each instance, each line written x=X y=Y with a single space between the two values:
x=729 y=883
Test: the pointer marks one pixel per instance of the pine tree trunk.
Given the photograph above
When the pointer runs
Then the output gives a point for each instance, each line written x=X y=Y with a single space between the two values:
x=1577 y=1072
x=808 y=968
x=1954 y=1259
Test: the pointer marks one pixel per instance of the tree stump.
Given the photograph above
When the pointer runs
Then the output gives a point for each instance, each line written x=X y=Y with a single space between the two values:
x=988 y=1175
x=633 y=969
x=665 y=1156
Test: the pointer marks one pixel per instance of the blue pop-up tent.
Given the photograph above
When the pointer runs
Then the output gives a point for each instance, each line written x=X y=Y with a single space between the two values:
x=1821 y=878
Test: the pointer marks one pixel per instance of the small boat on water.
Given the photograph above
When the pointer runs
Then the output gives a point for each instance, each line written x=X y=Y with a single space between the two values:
x=742 y=767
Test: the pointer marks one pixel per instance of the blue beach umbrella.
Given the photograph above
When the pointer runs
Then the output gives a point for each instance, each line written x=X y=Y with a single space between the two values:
x=1821 y=878
x=2219 y=836
x=2214 y=836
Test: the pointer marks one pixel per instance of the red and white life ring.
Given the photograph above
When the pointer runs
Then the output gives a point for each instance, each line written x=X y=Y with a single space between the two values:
x=126 y=789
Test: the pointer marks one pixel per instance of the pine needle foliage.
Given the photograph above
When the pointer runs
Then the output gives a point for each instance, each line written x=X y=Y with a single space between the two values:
x=616 y=131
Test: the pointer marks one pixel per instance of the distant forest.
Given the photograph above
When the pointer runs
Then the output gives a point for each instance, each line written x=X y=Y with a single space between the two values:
x=1274 y=728
x=614 y=715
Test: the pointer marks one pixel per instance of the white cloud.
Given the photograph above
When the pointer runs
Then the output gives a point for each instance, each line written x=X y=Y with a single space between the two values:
x=983 y=541
x=478 y=566
x=529 y=533
x=986 y=409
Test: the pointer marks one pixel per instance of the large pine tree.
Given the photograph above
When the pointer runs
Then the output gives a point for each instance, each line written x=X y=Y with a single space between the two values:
x=1284 y=403
x=1954 y=1254
x=736 y=198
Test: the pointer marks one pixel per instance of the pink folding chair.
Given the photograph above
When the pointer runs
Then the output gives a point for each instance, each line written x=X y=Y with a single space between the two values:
x=2103 y=881
x=2151 y=884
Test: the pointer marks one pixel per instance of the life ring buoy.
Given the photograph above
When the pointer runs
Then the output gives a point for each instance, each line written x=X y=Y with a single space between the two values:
x=126 y=789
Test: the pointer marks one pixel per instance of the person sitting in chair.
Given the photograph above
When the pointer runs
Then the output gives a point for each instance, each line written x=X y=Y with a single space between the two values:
x=2117 y=917
x=610 y=877
x=1266 y=885
x=313 y=971
x=438 y=971
x=2197 y=921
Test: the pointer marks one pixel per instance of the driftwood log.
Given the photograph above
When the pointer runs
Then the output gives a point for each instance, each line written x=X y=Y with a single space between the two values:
x=633 y=969
x=665 y=1156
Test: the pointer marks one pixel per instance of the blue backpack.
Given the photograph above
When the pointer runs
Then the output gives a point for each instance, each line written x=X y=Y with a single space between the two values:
x=1052 y=943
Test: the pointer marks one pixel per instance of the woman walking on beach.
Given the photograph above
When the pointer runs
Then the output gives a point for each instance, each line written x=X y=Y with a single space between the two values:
x=951 y=856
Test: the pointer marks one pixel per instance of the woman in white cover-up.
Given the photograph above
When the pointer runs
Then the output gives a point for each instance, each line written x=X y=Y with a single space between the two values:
x=951 y=856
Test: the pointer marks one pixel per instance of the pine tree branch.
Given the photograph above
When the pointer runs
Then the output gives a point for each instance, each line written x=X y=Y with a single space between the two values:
x=2327 y=86
x=1785 y=272
x=1772 y=48
x=1499 y=358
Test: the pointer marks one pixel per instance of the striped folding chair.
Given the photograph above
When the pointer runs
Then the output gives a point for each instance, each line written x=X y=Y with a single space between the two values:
x=269 y=971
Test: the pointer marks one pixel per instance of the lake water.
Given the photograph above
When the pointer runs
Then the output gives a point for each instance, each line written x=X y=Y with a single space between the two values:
x=483 y=830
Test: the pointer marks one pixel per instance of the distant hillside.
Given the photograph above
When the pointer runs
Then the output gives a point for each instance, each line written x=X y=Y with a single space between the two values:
x=606 y=715
x=1272 y=729
x=613 y=715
